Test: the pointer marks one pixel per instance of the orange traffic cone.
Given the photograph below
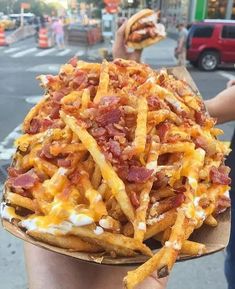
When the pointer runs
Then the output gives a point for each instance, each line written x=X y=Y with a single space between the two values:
x=44 y=41
x=2 y=37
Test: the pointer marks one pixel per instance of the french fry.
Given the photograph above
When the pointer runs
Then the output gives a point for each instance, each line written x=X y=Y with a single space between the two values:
x=104 y=82
x=85 y=98
x=211 y=221
x=70 y=242
x=140 y=221
x=162 y=223
x=141 y=128
x=24 y=202
x=192 y=248
x=114 y=182
x=96 y=177
x=114 y=240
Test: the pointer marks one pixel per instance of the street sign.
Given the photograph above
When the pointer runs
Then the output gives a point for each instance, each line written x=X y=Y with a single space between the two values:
x=25 y=5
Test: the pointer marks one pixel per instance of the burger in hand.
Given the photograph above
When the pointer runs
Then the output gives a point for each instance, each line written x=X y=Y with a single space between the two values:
x=143 y=29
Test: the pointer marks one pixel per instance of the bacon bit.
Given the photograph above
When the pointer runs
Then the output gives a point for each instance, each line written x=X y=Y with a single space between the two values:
x=138 y=174
x=200 y=117
x=73 y=61
x=111 y=116
x=223 y=203
x=80 y=78
x=46 y=123
x=92 y=90
x=93 y=79
x=180 y=190
x=219 y=176
x=153 y=103
x=108 y=101
x=45 y=153
x=64 y=163
x=34 y=126
x=112 y=131
x=115 y=148
x=57 y=96
x=75 y=177
x=163 y=128
x=177 y=200
x=161 y=180
x=13 y=172
x=25 y=181
x=55 y=112
x=163 y=159
x=134 y=199
x=210 y=147
x=122 y=170
x=98 y=132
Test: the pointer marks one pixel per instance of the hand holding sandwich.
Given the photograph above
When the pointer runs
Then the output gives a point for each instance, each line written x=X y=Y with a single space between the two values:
x=120 y=49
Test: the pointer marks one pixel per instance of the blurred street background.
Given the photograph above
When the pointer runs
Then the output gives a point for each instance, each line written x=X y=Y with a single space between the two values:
x=89 y=31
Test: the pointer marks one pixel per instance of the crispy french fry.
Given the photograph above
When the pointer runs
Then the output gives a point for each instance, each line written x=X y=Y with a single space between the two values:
x=140 y=221
x=96 y=177
x=24 y=202
x=192 y=248
x=114 y=182
x=211 y=221
x=115 y=240
x=85 y=98
x=67 y=242
x=104 y=82
x=141 y=127
x=162 y=222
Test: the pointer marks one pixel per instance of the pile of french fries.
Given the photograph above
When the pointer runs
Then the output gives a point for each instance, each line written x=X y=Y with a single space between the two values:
x=115 y=154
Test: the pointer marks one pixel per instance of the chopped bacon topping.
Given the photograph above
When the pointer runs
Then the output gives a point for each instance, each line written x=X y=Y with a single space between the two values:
x=134 y=199
x=115 y=148
x=200 y=117
x=25 y=181
x=223 y=203
x=34 y=126
x=57 y=96
x=80 y=78
x=109 y=101
x=139 y=174
x=98 y=132
x=64 y=163
x=112 y=131
x=55 y=111
x=163 y=128
x=110 y=116
x=161 y=180
x=220 y=175
x=13 y=172
x=46 y=123
x=45 y=153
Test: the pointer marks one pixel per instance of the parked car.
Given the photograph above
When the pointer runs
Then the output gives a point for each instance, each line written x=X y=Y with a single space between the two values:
x=210 y=43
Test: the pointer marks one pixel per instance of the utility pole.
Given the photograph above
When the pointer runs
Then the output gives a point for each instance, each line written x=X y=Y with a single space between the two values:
x=229 y=9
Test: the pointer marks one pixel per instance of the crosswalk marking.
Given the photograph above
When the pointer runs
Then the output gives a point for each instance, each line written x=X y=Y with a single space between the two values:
x=14 y=49
x=22 y=53
x=45 y=52
x=64 y=52
x=79 y=53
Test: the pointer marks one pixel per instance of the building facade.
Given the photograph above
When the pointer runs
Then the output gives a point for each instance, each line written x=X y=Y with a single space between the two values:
x=187 y=11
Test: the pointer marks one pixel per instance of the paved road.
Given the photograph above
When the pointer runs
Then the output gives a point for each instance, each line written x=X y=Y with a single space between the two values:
x=19 y=65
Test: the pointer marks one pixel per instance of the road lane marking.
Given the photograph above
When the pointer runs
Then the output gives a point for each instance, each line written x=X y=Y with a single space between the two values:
x=22 y=53
x=79 y=53
x=45 y=52
x=45 y=68
x=33 y=99
x=6 y=149
x=64 y=52
x=227 y=75
x=10 y=50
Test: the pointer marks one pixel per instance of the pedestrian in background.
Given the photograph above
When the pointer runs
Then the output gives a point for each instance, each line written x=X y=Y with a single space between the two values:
x=180 y=50
x=58 y=30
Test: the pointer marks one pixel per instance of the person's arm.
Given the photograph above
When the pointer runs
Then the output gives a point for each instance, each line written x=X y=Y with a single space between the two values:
x=222 y=106
x=120 y=49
